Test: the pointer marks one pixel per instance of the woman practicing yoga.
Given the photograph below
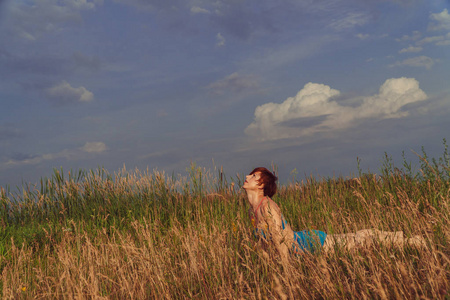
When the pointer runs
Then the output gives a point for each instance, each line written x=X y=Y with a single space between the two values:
x=270 y=224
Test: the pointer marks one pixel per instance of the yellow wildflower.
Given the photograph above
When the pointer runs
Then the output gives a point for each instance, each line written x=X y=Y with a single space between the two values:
x=233 y=226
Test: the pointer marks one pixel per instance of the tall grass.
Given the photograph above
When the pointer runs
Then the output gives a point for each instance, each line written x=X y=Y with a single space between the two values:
x=132 y=234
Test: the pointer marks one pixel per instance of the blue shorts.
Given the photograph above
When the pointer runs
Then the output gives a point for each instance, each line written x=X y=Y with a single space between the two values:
x=306 y=240
x=309 y=240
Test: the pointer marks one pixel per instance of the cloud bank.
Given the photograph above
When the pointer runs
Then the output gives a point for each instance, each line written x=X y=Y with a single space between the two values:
x=314 y=109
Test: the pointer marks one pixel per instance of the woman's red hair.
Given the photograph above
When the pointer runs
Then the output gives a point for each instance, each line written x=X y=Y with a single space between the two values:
x=268 y=179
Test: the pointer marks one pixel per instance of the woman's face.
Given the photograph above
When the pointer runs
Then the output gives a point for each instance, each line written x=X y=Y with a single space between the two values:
x=252 y=181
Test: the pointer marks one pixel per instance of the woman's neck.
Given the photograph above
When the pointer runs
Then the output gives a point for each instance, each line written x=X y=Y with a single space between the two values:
x=255 y=198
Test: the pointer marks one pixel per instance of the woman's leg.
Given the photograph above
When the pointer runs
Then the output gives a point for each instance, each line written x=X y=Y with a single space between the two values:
x=367 y=237
x=346 y=240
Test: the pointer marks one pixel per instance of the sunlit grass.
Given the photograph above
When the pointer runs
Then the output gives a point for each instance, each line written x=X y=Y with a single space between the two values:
x=132 y=234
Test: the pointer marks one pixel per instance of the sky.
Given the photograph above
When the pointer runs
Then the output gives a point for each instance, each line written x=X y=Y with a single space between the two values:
x=308 y=86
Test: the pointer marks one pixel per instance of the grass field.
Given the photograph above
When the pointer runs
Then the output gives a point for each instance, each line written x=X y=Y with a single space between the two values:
x=136 y=235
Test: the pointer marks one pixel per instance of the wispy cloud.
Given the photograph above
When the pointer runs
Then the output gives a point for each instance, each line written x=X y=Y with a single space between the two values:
x=199 y=10
x=220 y=40
x=431 y=40
x=350 y=20
x=419 y=61
x=31 y=19
x=413 y=37
x=235 y=83
x=314 y=110
x=77 y=153
x=285 y=55
x=411 y=49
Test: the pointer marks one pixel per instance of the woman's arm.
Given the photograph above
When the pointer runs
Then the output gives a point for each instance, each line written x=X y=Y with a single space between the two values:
x=271 y=217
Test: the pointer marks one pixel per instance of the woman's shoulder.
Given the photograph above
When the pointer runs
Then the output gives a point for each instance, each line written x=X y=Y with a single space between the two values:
x=269 y=206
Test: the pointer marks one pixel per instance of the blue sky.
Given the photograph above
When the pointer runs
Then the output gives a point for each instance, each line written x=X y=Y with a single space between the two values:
x=307 y=85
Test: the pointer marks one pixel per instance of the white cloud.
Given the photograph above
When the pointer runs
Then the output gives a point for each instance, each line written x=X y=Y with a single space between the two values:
x=313 y=110
x=411 y=49
x=94 y=147
x=393 y=95
x=64 y=93
x=441 y=21
x=220 y=40
x=419 y=61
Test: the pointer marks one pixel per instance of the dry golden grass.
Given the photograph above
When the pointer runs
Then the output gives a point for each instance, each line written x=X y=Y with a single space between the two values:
x=190 y=238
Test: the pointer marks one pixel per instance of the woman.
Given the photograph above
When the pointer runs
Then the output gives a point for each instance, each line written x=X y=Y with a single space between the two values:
x=270 y=224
